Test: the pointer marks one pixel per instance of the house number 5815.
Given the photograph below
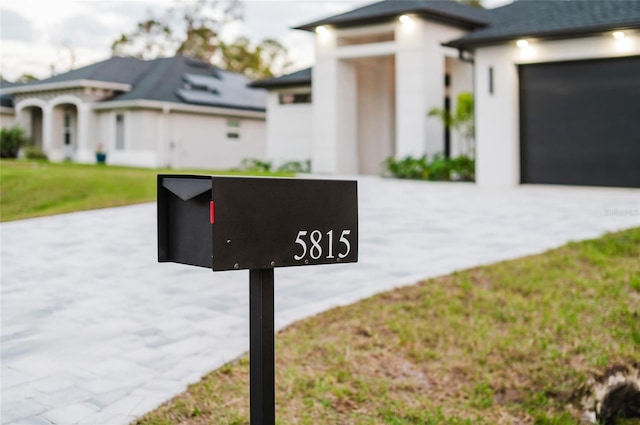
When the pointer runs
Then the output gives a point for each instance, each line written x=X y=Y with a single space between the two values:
x=314 y=248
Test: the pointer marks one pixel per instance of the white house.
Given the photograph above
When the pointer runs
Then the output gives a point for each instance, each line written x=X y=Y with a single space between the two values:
x=176 y=112
x=556 y=85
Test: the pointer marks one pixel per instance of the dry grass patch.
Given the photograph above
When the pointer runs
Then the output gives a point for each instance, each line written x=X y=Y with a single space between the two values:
x=510 y=343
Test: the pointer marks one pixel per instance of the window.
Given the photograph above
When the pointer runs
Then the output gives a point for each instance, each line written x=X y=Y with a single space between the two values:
x=67 y=128
x=233 y=129
x=291 y=98
x=119 y=131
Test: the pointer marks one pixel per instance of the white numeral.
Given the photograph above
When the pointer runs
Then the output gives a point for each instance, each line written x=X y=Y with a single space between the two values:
x=344 y=240
x=315 y=252
x=301 y=242
x=330 y=245
x=316 y=237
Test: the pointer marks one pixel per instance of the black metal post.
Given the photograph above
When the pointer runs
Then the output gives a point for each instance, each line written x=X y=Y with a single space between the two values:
x=261 y=350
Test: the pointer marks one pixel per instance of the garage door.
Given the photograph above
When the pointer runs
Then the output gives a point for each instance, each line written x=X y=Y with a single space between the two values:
x=580 y=122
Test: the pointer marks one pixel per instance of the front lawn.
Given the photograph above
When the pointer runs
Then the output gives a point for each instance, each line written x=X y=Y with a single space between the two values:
x=517 y=342
x=33 y=188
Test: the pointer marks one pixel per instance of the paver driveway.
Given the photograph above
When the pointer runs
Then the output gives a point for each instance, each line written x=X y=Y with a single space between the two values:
x=95 y=331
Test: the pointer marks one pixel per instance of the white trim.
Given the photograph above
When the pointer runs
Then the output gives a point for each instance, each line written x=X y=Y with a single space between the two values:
x=65 y=99
x=30 y=102
x=177 y=107
x=365 y=30
x=384 y=48
x=35 y=87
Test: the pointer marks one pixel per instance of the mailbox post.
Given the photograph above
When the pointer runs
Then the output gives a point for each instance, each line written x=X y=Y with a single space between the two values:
x=257 y=224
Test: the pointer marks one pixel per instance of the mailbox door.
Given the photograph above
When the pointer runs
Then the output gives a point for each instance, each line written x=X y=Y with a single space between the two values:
x=184 y=229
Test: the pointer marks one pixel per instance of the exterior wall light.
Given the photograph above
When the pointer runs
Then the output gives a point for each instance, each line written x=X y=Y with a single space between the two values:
x=405 y=19
x=321 y=30
x=622 y=43
x=522 y=43
x=618 y=35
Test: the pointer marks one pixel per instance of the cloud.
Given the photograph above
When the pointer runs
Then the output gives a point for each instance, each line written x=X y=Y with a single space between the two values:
x=15 y=27
x=83 y=31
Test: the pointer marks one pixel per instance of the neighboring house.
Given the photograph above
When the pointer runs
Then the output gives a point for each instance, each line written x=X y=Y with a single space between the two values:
x=176 y=112
x=558 y=107
x=290 y=128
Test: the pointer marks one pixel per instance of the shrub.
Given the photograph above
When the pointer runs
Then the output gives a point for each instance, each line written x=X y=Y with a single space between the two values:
x=11 y=140
x=440 y=168
x=35 y=152
x=463 y=168
x=295 y=167
x=255 y=165
x=408 y=167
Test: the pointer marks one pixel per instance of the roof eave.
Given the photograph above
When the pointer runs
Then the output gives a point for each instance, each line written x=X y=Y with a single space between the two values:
x=376 y=19
x=249 y=112
x=555 y=34
x=61 y=85
x=282 y=84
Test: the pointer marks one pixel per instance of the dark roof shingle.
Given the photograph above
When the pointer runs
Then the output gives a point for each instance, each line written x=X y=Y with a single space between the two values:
x=449 y=11
x=553 y=18
x=123 y=70
x=168 y=80
x=298 y=78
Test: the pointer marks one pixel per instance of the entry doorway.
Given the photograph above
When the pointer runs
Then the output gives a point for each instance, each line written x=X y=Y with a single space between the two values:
x=32 y=123
x=65 y=125
x=376 y=112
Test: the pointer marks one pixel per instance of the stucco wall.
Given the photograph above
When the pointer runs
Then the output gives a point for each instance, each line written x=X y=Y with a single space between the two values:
x=140 y=137
x=289 y=128
x=201 y=141
x=497 y=114
x=164 y=138
x=7 y=117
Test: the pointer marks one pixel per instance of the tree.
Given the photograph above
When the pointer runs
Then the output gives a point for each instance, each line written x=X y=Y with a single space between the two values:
x=151 y=39
x=191 y=28
x=202 y=22
x=26 y=78
x=257 y=62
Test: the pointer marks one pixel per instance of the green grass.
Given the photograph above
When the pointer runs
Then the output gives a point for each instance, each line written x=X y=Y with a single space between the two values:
x=513 y=342
x=33 y=189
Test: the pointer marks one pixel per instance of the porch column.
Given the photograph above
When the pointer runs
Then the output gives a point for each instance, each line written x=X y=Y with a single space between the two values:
x=54 y=153
x=86 y=145
x=335 y=148
x=420 y=70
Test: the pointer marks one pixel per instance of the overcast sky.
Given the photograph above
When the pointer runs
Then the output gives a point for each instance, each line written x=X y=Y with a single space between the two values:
x=38 y=34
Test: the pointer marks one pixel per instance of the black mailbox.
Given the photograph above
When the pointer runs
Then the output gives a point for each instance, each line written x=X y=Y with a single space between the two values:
x=231 y=223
